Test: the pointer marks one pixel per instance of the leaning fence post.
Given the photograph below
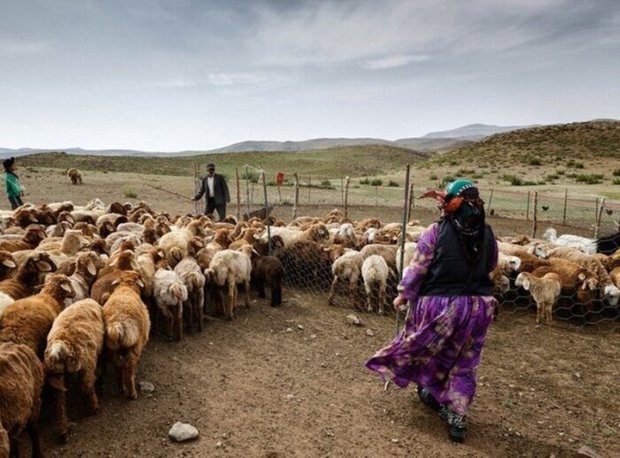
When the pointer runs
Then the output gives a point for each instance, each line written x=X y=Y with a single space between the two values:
x=267 y=214
x=564 y=212
x=535 y=216
x=403 y=234
x=346 y=197
x=527 y=208
x=296 y=195
x=596 y=210
x=490 y=201
x=598 y=217
x=247 y=191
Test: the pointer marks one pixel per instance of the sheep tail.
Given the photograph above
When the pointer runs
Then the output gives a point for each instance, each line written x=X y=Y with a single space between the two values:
x=123 y=334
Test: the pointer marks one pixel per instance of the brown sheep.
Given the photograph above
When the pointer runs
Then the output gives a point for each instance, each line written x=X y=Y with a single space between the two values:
x=25 y=217
x=102 y=287
x=28 y=276
x=75 y=176
x=19 y=408
x=268 y=271
x=28 y=321
x=127 y=327
x=31 y=239
x=7 y=265
x=74 y=345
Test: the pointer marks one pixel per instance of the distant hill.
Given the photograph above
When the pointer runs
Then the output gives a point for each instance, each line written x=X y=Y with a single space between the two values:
x=555 y=144
x=474 y=131
x=366 y=160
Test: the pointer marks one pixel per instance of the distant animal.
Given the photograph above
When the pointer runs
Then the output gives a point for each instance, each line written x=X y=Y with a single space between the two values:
x=609 y=211
x=75 y=176
x=545 y=207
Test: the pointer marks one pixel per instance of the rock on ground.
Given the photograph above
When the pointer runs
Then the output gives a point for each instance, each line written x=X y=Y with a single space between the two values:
x=181 y=432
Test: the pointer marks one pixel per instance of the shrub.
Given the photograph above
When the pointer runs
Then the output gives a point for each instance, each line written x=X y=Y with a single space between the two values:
x=560 y=172
x=616 y=173
x=534 y=161
x=465 y=172
x=393 y=184
x=576 y=165
x=454 y=163
x=552 y=176
x=326 y=183
x=513 y=180
x=432 y=177
x=447 y=179
x=130 y=193
x=250 y=175
x=477 y=176
x=615 y=181
x=376 y=182
x=592 y=178
x=365 y=181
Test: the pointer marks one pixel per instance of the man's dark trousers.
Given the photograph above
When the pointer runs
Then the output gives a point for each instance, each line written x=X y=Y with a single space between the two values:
x=221 y=209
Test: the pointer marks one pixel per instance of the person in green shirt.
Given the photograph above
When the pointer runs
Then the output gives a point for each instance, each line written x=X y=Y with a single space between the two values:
x=14 y=189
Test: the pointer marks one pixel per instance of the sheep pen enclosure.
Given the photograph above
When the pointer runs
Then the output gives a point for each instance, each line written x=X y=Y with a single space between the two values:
x=290 y=381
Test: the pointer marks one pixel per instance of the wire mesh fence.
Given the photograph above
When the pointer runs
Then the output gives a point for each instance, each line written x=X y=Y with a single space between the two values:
x=365 y=216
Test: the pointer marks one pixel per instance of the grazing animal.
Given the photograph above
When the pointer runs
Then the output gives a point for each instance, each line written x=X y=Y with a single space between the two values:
x=75 y=176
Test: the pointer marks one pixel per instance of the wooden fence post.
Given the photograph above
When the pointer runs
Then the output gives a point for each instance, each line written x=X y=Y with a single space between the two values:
x=341 y=191
x=296 y=203
x=411 y=201
x=565 y=201
x=247 y=190
x=267 y=214
x=238 y=194
x=490 y=201
x=598 y=217
x=195 y=204
x=309 y=188
x=527 y=208
x=346 y=197
x=535 y=216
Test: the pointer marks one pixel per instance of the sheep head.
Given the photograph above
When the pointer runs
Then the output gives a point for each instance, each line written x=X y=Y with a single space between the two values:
x=523 y=280
x=131 y=279
x=59 y=287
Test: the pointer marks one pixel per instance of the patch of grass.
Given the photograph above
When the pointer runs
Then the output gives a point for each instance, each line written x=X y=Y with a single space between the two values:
x=533 y=160
x=616 y=173
x=393 y=184
x=447 y=179
x=615 y=181
x=589 y=178
x=365 y=180
x=560 y=172
x=376 y=182
x=130 y=193
x=326 y=183
x=552 y=177
x=432 y=177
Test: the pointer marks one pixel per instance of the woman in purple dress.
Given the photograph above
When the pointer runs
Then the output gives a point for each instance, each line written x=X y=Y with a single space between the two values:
x=451 y=302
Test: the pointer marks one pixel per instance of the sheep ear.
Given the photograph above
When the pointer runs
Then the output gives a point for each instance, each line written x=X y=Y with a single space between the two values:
x=581 y=276
x=113 y=262
x=91 y=268
x=526 y=284
x=44 y=266
x=116 y=282
x=9 y=263
x=140 y=283
x=66 y=288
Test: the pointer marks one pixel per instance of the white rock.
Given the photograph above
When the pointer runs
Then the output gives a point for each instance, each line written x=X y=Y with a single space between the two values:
x=147 y=387
x=369 y=332
x=354 y=319
x=289 y=329
x=181 y=432
x=219 y=444
x=300 y=327
x=312 y=336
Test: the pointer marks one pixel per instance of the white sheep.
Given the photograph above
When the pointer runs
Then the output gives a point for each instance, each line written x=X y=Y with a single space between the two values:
x=170 y=293
x=544 y=290
x=346 y=267
x=229 y=268
x=375 y=273
x=194 y=280
x=584 y=244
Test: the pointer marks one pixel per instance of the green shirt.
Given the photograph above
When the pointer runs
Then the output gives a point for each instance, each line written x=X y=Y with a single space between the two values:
x=13 y=188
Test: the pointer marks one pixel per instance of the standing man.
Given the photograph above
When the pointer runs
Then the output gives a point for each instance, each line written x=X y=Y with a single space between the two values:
x=216 y=190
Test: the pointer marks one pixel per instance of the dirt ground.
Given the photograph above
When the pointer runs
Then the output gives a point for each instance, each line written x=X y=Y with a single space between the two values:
x=291 y=381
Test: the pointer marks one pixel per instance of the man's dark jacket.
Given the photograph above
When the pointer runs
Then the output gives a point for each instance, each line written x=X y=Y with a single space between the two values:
x=220 y=190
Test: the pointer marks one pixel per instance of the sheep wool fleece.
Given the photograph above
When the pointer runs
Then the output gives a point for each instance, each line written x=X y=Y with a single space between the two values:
x=440 y=346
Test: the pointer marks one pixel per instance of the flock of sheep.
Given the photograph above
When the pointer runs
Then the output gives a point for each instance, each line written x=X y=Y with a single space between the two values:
x=80 y=286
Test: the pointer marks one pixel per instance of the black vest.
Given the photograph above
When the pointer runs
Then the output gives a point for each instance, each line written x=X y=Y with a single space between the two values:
x=450 y=274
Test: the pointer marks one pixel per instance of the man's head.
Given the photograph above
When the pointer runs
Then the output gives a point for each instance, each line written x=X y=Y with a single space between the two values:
x=211 y=169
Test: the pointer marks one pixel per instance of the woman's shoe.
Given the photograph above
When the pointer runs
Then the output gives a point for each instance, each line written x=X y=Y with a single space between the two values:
x=457 y=425
x=427 y=398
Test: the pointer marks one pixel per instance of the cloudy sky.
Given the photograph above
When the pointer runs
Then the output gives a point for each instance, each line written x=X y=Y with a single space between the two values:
x=170 y=75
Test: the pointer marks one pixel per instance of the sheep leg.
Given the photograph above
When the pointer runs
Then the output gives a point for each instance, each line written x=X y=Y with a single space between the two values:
x=231 y=299
x=538 y=313
x=178 y=321
x=381 y=298
x=368 y=298
x=260 y=285
x=353 y=292
x=33 y=432
x=246 y=286
x=129 y=376
x=88 y=389
x=198 y=301
x=169 y=321
x=332 y=290
x=61 y=422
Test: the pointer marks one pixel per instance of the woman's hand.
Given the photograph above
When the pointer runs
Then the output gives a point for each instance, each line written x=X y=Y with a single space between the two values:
x=398 y=302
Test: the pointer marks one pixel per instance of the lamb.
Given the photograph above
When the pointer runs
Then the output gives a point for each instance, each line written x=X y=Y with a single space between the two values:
x=584 y=244
x=75 y=176
x=229 y=268
x=545 y=292
x=31 y=239
x=508 y=263
x=28 y=276
x=268 y=271
x=82 y=278
x=178 y=239
x=194 y=280
x=317 y=232
x=346 y=267
x=535 y=249
x=127 y=327
x=375 y=273
x=610 y=292
x=170 y=293
x=28 y=321
x=21 y=382
x=102 y=286
x=74 y=345
x=387 y=252
x=500 y=281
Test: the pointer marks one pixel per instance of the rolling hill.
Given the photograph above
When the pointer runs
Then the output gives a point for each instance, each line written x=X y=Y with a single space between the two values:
x=474 y=132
